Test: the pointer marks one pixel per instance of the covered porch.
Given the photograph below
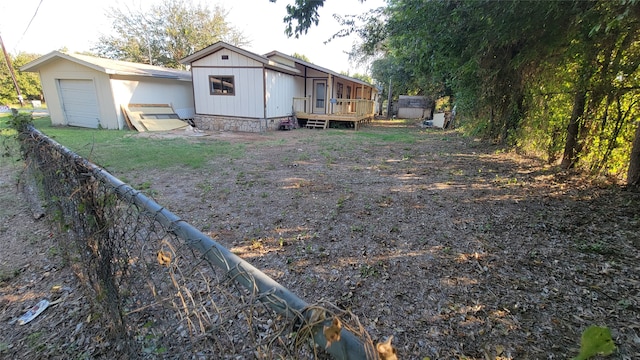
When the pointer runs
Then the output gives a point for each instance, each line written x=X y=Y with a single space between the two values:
x=352 y=112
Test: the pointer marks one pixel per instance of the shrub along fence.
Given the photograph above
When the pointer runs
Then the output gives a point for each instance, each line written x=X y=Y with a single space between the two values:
x=163 y=287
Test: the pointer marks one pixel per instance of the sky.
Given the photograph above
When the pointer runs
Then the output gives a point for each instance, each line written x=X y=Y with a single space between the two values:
x=77 y=25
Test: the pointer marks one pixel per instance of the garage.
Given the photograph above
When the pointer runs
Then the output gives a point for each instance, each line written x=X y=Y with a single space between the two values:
x=88 y=91
x=79 y=103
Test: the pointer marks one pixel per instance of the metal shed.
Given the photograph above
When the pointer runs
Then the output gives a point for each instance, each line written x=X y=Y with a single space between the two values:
x=415 y=107
x=88 y=91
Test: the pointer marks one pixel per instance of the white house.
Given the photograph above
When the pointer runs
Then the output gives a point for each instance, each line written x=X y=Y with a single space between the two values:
x=238 y=90
x=88 y=91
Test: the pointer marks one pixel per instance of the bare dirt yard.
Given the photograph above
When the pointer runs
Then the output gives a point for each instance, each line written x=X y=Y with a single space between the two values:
x=457 y=248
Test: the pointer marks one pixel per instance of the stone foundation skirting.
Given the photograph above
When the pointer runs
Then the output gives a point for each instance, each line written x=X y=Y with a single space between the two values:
x=228 y=123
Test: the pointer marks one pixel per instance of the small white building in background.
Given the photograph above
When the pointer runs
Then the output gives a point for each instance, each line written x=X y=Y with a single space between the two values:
x=414 y=107
x=88 y=91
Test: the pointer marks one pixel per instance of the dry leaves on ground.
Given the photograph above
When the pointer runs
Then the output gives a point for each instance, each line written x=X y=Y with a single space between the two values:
x=456 y=248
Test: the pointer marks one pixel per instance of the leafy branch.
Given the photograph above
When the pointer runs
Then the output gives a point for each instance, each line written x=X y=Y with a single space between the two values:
x=596 y=340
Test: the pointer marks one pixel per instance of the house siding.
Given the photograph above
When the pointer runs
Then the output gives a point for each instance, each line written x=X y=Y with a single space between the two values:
x=313 y=74
x=265 y=87
x=234 y=60
x=299 y=87
x=280 y=91
x=283 y=60
x=132 y=90
x=94 y=88
x=248 y=100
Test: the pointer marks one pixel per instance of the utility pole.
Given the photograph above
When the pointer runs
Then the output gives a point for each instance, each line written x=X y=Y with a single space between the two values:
x=13 y=74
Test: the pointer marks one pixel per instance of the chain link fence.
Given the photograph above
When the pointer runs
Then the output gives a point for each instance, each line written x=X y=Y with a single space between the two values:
x=161 y=288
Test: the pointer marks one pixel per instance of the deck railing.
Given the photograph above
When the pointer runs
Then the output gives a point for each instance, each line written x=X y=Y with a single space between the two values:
x=302 y=105
x=355 y=107
x=342 y=107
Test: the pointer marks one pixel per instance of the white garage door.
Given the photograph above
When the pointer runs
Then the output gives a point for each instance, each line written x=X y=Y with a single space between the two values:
x=80 y=103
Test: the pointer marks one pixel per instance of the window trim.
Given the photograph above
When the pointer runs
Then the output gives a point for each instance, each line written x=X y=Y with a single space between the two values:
x=222 y=78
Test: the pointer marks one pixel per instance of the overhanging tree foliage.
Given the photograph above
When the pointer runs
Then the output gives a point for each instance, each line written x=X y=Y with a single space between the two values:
x=165 y=33
x=483 y=52
x=304 y=13
x=28 y=82
x=559 y=78
x=301 y=57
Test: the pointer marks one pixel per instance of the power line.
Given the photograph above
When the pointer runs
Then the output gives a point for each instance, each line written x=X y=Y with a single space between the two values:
x=13 y=74
x=28 y=25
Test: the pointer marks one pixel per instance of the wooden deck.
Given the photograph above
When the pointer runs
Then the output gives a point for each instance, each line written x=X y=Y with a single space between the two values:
x=362 y=113
x=318 y=121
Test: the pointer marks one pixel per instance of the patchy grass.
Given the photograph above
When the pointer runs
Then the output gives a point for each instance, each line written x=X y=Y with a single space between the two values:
x=396 y=135
x=9 y=151
x=122 y=151
x=461 y=251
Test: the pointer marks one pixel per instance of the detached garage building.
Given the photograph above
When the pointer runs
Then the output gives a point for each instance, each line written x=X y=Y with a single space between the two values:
x=88 y=91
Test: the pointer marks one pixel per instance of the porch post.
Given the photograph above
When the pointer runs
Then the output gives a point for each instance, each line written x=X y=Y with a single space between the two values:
x=329 y=106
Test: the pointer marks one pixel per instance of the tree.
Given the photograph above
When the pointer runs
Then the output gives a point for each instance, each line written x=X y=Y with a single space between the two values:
x=561 y=77
x=301 y=57
x=606 y=41
x=633 y=174
x=496 y=57
x=166 y=32
x=304 y=13
x=364 y=77
x=28 y=82
x=482 y=52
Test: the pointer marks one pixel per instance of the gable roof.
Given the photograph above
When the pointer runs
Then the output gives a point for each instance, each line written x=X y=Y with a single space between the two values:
x=316 y=67
x=222 y=45
x=265 y=59
x=108 y=66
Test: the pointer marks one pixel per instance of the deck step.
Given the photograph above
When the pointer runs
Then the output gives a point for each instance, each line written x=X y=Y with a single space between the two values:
x=317 y=124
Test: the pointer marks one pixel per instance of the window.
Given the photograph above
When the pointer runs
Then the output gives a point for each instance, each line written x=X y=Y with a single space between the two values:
x=221 y=85
x=339 y=91
x=320 y=94
x=358 y=93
